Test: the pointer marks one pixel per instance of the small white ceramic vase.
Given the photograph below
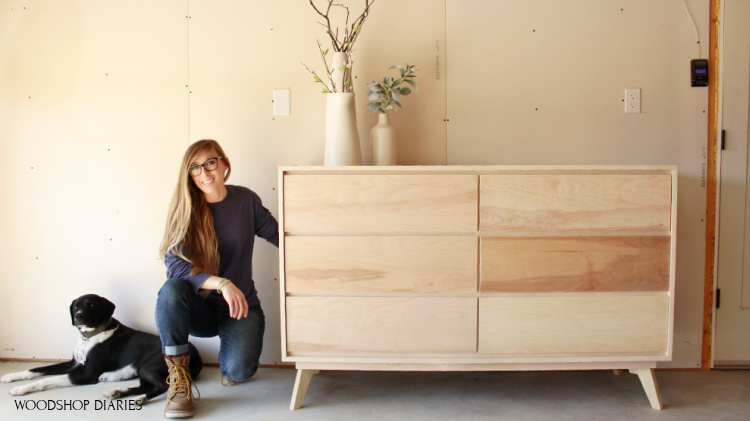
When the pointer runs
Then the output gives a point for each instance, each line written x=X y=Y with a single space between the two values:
x=383 y=139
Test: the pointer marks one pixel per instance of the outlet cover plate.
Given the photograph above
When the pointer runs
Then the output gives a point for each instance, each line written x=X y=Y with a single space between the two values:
x=633 y=101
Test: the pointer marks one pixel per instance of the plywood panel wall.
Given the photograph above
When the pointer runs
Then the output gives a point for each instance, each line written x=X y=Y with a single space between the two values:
x=542 y=82
x=98 y=100
x=93 y=106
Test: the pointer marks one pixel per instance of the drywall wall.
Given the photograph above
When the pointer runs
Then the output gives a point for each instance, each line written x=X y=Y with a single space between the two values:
x=99 y=99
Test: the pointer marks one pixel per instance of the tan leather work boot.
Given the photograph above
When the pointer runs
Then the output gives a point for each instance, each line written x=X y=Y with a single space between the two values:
x=179 y=396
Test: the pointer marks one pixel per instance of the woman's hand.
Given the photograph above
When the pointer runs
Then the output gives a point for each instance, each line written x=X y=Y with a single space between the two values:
x=236 y=300
x=232 y=295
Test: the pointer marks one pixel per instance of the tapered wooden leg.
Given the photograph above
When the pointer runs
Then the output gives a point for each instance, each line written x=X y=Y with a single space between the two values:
x=648 y=380
x=300 y=387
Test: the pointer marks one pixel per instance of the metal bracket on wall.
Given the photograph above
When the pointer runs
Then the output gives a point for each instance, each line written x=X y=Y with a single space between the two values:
x=718 y=298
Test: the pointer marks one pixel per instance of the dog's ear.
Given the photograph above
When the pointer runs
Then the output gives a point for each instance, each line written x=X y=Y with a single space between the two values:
x=108 y=307
x=72 y=304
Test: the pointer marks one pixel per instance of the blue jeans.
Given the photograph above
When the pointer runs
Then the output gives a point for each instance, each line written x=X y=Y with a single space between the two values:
x=181 y=312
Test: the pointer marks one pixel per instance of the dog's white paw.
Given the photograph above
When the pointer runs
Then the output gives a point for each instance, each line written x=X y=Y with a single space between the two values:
x=113 y=394
x=40 y=385
x=117 y=394
x=125 y=373
x=14 y=377
x=19 y=391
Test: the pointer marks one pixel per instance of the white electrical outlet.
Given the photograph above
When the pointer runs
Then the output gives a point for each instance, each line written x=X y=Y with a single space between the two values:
x=633 y=101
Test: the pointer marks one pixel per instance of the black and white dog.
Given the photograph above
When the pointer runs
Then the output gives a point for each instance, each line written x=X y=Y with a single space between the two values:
x=106 y=351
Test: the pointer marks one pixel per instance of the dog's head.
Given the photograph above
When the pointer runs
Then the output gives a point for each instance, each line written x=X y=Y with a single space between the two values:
x=87 y=312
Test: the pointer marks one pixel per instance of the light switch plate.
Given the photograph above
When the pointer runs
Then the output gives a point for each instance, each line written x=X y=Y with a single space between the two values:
x=281 y=101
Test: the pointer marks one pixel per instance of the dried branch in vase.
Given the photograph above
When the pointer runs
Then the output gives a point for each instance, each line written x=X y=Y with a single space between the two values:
x=342 y=41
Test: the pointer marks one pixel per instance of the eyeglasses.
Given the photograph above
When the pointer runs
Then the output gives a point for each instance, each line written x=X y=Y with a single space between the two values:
x=210 y=165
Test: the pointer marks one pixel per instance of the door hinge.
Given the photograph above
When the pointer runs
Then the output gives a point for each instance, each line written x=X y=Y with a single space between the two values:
x=723 y=139
x=718 y=298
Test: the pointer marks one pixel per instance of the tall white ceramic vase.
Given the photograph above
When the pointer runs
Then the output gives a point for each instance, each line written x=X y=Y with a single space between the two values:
x=342 y=136
x=383 y=139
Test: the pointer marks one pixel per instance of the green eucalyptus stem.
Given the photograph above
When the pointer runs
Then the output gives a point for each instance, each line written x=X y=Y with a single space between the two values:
x=386 y=95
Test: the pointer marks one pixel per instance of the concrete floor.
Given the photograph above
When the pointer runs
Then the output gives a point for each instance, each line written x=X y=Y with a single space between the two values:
x=593 y=395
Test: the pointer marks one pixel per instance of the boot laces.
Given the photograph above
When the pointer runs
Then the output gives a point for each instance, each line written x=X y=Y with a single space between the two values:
x=179 y=377
x=227 y=381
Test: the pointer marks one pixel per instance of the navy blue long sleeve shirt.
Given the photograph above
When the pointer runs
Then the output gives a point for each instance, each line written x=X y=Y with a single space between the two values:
x=237 y=220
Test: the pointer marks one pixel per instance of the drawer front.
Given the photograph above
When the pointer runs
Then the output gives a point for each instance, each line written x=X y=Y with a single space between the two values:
x=622 y=324
x=565 y=203
x=377 y=203
x=380 y=265
x=567 y=264
x=384 y=325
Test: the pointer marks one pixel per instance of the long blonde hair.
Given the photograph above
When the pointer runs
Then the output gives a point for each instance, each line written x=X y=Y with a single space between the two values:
x=190 y=223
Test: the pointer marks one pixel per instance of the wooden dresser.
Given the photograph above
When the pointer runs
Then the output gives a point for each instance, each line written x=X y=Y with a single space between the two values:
x=477 y=268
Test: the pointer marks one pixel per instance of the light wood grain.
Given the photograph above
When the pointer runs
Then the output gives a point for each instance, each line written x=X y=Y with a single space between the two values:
x=385 y=265
x=575 y=203
x=367 y=204
x=575 y=264
x=648 y=381
x=301 y=383
x=330 y=326
x=537 y=325
x=475 y=365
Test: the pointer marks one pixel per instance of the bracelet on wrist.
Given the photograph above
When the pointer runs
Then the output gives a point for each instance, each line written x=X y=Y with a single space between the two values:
x=223 y=282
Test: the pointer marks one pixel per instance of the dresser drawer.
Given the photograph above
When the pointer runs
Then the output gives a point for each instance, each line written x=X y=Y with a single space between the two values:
x=377 y=203
x=570 y=264
x=575 y=203
x=619 y=324
x=377 y=325
x=357 y=265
